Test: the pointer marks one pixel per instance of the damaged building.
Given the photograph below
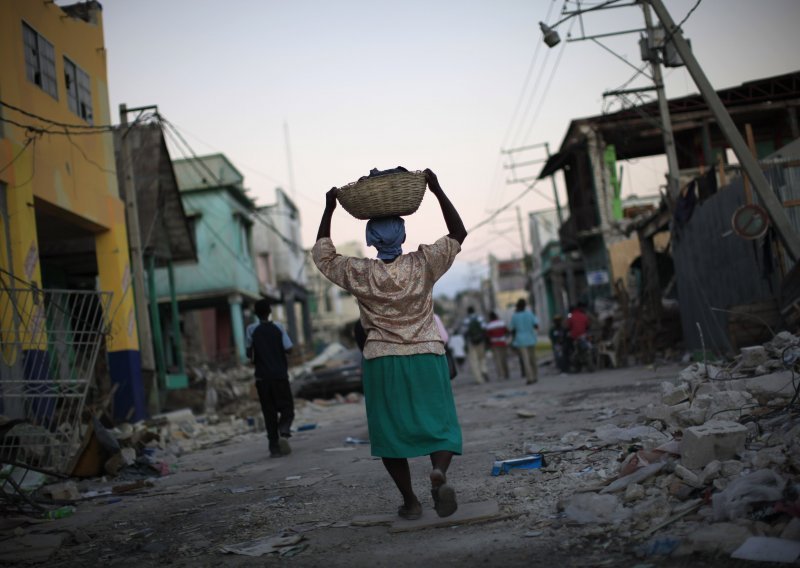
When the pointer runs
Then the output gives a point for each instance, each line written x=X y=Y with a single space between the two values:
x=669 y=274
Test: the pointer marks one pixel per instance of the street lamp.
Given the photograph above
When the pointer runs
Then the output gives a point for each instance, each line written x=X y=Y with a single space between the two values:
x=550 y=35
x=551 y=38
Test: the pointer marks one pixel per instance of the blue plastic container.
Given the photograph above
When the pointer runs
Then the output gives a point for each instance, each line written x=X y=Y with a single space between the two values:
x=533 y=461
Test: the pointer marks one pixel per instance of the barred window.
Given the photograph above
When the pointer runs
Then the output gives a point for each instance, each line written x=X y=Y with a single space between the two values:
x=40 y=61
x=79 y=90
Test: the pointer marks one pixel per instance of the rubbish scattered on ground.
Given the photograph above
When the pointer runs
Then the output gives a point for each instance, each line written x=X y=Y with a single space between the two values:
x=294 y=477
x=65 y=491
x=305 y=427
x=31 y=548
x=768 y=549
x=523 y=413
x=591 y=508
x=61 y=513
x=355 y=441
x=533 y=461
x=267 y=545
x=129 y=487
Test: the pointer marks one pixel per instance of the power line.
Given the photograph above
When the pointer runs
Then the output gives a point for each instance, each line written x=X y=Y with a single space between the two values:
x=21 y=151
x=547 y=86
x=196 y=159
x=103 y=128
x=504 y=207
x=527 y=79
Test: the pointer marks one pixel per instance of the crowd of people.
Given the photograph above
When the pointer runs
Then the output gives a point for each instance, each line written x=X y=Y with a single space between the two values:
x=476 y=337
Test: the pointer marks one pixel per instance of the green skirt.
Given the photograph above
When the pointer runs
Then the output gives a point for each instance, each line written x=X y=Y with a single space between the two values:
x=410 y=406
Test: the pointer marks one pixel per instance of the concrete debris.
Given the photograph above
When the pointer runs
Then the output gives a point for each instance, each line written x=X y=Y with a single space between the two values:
x=764 y=485
x=718 y=435
x=586 y=508
x=714 y=440
x=766 y=549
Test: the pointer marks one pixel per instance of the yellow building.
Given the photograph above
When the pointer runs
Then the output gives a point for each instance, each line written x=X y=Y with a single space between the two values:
x=62 y=222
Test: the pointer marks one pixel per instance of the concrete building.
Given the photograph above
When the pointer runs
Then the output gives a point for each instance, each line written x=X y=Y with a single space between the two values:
x=333 y=309
x=62 y=222
x=281 y=266
x=213 y=292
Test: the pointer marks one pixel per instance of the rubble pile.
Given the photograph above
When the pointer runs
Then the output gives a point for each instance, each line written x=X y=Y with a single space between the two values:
x=714 y=468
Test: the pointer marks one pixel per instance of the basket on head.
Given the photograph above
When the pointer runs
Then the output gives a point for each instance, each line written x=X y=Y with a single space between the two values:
x=386 y=195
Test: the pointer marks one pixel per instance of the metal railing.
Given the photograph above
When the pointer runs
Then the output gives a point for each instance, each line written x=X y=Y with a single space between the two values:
x=49 y=341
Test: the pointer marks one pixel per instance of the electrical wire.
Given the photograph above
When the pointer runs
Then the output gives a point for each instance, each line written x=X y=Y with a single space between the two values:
x=103 y=128
x=195 y=161
x=25 y=146
x=526 y=82
x=548 y=85
x=33 y=166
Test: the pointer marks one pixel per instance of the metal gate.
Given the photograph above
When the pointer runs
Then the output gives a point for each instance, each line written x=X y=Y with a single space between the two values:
x=49 y=341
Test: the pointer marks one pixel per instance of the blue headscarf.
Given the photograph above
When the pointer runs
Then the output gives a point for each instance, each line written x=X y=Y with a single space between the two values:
x=387 y=235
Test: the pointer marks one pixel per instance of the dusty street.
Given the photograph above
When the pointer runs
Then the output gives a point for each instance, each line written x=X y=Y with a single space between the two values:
x=233 y=492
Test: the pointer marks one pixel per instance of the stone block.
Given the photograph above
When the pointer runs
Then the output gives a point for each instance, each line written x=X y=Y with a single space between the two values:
x=766 y=387
x=694 y=416
x=731 y=468
x=687 y=475
x=671 y=394
x=711 y=471
x=752 y=357
x=714 y=440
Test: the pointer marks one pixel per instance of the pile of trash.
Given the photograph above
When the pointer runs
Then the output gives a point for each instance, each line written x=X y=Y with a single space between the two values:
x=716 y=466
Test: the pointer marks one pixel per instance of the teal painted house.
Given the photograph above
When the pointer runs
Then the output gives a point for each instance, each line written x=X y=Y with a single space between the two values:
x=214 y=293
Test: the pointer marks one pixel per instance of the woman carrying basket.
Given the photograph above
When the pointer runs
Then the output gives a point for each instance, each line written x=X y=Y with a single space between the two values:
x=409 y=402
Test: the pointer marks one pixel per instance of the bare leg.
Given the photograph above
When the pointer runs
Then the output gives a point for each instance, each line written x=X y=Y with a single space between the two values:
x=444 y=497
x=401 y=475
x=441 y=461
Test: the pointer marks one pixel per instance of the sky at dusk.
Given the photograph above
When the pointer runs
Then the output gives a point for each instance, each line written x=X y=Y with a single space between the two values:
x=441 y=84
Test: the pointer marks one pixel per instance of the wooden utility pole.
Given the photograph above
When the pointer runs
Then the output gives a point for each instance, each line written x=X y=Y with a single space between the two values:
x=137 y=265
x=752 y=169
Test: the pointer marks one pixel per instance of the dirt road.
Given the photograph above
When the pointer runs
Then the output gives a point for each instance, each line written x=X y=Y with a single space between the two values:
x=234 y=493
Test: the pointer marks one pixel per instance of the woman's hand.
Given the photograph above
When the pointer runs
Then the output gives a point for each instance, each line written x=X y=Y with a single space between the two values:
x=432 y=181
x=330 y=198
x=325 y=223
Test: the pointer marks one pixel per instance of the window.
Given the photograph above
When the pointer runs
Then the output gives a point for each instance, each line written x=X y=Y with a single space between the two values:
x=79 y=90
x=40 y=61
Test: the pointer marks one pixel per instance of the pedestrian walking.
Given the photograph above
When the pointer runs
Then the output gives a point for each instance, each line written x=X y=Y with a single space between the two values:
x=523 y=328
x=267 y=347
x=456 y=345
x=410 y=407
x=497 y=332
x=557 y=341
x=475 y=334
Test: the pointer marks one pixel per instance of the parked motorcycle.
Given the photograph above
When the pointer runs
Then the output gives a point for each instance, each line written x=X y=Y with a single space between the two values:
x=584 y=355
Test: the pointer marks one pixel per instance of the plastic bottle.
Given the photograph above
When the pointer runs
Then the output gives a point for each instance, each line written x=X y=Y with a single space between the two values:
x=60 y=513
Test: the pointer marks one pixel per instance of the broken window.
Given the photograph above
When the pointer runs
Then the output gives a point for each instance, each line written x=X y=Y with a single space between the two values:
x=40 y=61
x=79 y=90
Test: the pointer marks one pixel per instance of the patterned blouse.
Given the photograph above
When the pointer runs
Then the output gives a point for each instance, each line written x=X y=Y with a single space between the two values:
x=396 y=298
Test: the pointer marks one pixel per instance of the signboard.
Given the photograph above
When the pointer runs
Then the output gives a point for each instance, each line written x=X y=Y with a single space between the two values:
x=597 y=277
x=750 y=222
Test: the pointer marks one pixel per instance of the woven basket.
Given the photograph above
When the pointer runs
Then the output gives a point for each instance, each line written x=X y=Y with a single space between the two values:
x=383 y=196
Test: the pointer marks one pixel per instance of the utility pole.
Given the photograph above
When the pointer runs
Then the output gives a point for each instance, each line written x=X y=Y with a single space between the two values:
x=137 y=265
x=673 y=179
x=513 y=167
x=289 y=158
x=752 y=169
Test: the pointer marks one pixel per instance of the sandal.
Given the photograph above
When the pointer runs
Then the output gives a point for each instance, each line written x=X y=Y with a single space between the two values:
x=444 y=499
x=444 y=496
